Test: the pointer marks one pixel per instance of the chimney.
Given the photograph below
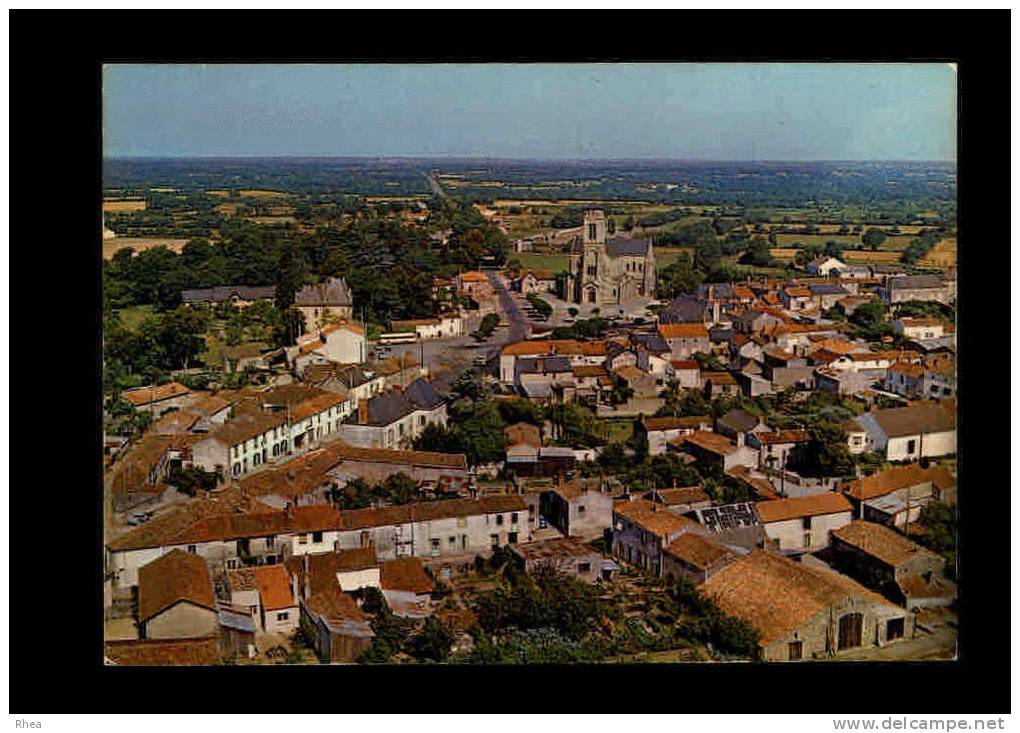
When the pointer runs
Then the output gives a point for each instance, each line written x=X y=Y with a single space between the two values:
x=362 y=411
x=288 y=510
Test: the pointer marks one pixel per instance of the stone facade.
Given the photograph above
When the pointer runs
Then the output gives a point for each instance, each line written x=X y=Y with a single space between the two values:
x=605 y=272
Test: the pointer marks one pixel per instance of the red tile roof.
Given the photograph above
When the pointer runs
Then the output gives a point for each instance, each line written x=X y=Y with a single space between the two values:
x=781 y=510
x=174 y=577
x=274 y=587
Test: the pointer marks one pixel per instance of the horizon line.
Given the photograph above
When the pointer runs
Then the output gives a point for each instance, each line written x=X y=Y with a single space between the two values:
x=291 y=156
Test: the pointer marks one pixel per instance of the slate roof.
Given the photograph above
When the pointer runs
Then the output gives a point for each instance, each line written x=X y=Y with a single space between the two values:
x=651 y=341
x=223 y=293
x=423 y=394
x=544 y=365
x=739 y=421
x=915 y=282
x=621 y=246
x=827 y=289
x=387 y=408
x=332 y=292
x=684 y=309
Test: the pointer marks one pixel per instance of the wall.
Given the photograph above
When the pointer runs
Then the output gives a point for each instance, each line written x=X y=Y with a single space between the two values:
x=792 y=535
x=353 y=579
x=209 y=454
x=820 y=634
x=183 y=620
x=274 y=625
x=929 y=445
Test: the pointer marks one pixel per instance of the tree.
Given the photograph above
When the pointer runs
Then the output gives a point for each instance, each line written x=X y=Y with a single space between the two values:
x=432 y=643
x=708 y=256
x=869 y=321
x=757 y=253
x=873 y=237
x=828 y=453
x=677 y=277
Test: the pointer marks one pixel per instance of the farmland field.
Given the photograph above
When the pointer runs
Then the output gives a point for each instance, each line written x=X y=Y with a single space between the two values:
x=943 y=254
x=112 y=246
x=884 y=256
x=113 y=205
x=666 y=256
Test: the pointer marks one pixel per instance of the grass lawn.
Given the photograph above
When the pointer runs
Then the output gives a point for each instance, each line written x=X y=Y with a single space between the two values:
x=543 y=261
x=666 y=256
x=619 y=431
x=132 y=317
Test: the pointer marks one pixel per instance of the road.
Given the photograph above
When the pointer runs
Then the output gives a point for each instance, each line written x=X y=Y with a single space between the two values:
x=518 y=330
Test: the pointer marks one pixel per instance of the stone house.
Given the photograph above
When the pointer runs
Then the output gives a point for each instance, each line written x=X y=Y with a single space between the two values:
x=901 y=288
x=685 y=339
x=158 y=398
x=660 y=431
x=642 y=529
x=176 y=598
x=801 y=612
x=803 y=523
x=577 y=510
x=278 y=608
x=715 y=451
x=896 y=496
x=776 y=447
x=324 y=302
x=686 y=372
x=579 y=353
x=902 y=570
x=566 y=555
x=680 y=500
x=694 y=557
x=395 y=418
x=341 y=343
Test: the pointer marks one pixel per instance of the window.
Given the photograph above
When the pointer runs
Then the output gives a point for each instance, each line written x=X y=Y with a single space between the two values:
x=193 y=549
x=512 y=538
x=592 y=270
x=580 y=509
x=453 y=541
x=282 y=616
x=237 y=469
x=231 y=564
x=591 y=231
x=513 y=518
x=302 y=539
x=584 y=567
x=796 y=650
x=435 y=543
x=499 y=519
x=494 y=538
x=911 y=446
x=807 y=522
x=316 y=536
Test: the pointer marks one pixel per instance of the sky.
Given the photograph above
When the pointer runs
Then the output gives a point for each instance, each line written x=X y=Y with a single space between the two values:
x=775 y=111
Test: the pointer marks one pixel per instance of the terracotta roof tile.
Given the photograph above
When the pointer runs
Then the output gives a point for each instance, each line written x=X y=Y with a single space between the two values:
x=683 y=330
x=776 y=595
x=274 y=587
x=652 y=517
x=148 y=395
x=880 y=542
x=405 y=574
x=175 y=576
x=780 y=510
x=697 y=550
x=164 y=652
x=890 y=480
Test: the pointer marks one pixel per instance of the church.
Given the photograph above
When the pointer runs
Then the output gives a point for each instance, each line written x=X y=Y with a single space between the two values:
x=609 y=272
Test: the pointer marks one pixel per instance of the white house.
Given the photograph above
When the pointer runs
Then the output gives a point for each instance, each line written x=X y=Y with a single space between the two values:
x=823 y=266
x=343 y=343
x=803 y=523
x=922 y=430
x=920 y=328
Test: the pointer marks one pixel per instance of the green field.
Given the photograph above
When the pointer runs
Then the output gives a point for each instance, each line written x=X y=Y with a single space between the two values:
x=668 y=255
x=131 y=318
x=543 y=261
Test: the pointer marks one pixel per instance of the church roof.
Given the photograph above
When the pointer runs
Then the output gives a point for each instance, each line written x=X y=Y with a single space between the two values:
x=618 y=247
